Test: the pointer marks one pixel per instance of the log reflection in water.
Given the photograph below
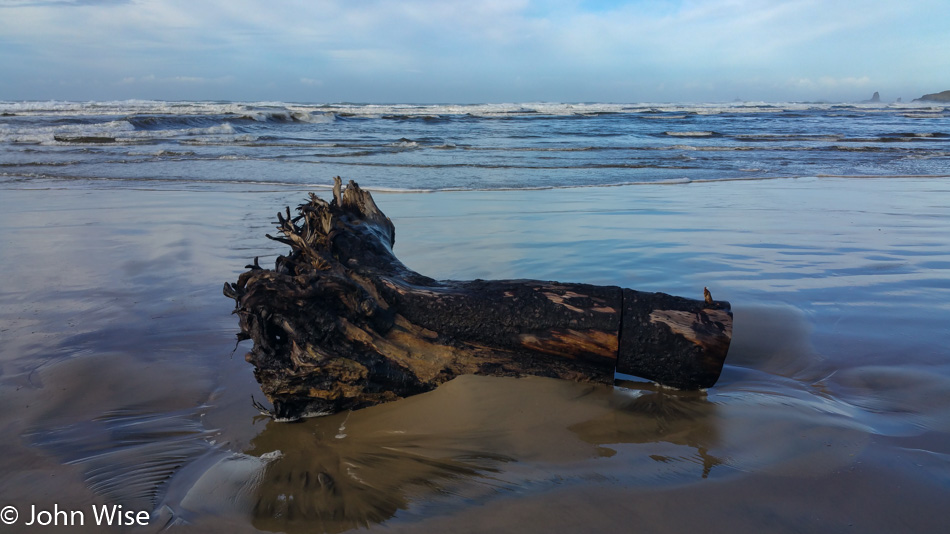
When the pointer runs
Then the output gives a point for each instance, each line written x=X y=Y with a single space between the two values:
x=473 y=440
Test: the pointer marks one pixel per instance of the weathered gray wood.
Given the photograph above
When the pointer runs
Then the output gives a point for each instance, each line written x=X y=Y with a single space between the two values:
x=340 y=323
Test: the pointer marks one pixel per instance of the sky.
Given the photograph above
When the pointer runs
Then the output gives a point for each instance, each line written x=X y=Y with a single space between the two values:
x=445 y=51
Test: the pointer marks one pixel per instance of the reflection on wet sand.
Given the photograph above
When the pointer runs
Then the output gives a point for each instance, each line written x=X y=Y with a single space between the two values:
x=441 y=450
x=678 y=417
x=328 y=482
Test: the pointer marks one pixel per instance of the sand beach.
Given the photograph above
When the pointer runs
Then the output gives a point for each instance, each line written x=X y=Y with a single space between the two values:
x=122 y=384
x=549 y=168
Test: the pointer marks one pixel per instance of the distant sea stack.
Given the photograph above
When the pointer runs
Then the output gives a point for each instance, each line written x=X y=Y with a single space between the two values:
x=935 y=97
x=876 y=97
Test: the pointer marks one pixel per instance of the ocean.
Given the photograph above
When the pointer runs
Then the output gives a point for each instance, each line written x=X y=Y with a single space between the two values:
x=825 y=225
x=196 y=145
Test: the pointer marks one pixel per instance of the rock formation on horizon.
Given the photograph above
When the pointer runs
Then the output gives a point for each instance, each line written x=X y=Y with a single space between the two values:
x=943 y=96
x=876 y=97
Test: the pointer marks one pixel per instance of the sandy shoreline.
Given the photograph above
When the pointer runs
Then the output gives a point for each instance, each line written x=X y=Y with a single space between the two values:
x=117 y=372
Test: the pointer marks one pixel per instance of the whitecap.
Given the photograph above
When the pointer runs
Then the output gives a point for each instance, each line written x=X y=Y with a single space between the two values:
x=314 y=117
x=405 y=143
x=221 y=129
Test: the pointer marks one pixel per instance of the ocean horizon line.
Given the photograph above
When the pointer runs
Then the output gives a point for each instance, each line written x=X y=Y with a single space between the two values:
x=751 y=101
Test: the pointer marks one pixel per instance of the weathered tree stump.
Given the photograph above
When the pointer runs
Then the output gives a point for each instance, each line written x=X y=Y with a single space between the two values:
x=340 y=323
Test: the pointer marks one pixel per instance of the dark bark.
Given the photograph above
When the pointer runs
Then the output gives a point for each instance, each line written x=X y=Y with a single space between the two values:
x=341 y=323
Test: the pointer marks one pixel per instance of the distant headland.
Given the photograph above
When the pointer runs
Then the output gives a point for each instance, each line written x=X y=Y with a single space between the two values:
x=935 y=97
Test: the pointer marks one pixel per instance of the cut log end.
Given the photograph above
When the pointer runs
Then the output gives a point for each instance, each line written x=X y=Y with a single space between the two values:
x=674 y=341
x=340 y=323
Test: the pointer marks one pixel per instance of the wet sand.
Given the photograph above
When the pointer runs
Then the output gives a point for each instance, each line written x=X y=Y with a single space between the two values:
x=122 y=385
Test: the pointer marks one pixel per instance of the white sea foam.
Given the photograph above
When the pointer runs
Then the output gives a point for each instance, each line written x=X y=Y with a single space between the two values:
x=221 y=139
x=405 y=143
x=272 y=455
x=32 y=134
x=223 y=129
x=327 y=112
x=289 y=115
x=120 y=107
x=690 y=134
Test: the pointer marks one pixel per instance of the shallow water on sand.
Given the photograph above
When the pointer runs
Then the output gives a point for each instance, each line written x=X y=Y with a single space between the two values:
x=122 y=384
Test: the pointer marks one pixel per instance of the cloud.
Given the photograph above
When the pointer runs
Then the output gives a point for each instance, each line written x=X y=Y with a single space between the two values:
x=60 y=3
x=509 y=49
x=832 y=82
x=151 y=78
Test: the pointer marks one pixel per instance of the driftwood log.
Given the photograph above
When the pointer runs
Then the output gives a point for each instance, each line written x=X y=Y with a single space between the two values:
x=340 y=323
